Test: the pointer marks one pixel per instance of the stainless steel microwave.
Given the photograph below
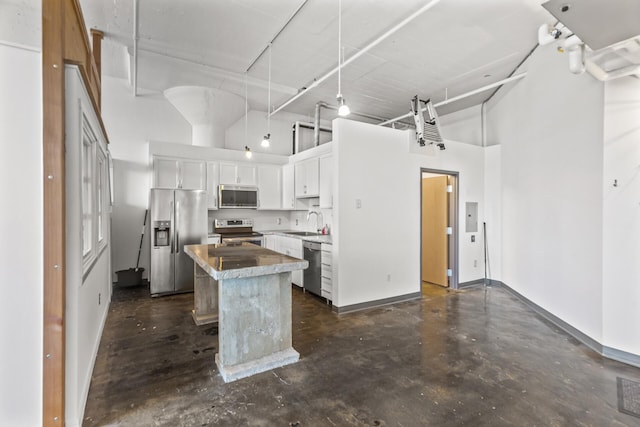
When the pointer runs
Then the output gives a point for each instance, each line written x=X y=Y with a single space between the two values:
x=237 y=196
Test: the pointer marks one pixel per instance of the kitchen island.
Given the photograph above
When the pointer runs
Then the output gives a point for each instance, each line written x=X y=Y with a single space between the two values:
x=247 y=290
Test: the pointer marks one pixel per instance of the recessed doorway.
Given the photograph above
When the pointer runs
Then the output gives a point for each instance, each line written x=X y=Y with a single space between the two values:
x=438 y=228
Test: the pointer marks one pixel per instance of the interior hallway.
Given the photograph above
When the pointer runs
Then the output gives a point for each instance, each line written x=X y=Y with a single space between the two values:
x=473 y=357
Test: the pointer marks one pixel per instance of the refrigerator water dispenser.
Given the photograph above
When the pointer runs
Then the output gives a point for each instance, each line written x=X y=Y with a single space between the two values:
x=161 y=231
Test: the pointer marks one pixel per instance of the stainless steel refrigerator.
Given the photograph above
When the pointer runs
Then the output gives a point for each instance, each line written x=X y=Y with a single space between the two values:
x=178 y=218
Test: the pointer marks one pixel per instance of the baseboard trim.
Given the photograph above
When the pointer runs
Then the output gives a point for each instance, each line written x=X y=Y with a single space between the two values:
x=608 y=352
x=621 y=356
x=471 y=284
x=377 y=303
x=575 y=333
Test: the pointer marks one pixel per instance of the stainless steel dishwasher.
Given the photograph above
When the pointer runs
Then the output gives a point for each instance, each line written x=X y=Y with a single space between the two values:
x=313 y=274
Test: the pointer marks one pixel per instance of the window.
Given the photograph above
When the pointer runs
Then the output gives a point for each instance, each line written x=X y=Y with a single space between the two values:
x=101 y=196
x=94 y=185
x=87 y=171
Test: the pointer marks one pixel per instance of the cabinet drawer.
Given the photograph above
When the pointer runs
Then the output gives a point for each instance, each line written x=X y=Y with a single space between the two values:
x=326 y=271
x=326 y=284
x=326 y=294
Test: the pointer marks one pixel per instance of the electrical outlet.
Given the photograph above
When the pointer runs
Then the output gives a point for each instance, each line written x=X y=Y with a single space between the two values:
x=388 y=277
x=473 y=238
x=358 y=203
x=296 y=221
x=279 y=221
x=475 y=263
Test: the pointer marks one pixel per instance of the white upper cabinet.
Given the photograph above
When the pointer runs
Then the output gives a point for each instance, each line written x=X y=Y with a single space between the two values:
x=193 y=175
x=269 y=187
x=165 y=173
x=307 y=178
x=288 y=180
x=238 y=173
x=212 y=185
x=179 y=173
x=326 y=182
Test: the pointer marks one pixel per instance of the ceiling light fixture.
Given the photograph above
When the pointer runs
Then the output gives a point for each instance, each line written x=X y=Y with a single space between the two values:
x=343 y=108
x=266 y=141
x=247 y=152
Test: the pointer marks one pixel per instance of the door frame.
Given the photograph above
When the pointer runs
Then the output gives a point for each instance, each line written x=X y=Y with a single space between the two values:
x=453 y=204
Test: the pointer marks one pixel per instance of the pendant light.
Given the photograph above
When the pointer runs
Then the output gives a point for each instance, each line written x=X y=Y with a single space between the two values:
x=266 y=140
x=247 y=152
x=343 y=108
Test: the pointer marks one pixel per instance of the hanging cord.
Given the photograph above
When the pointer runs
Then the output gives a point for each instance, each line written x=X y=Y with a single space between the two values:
x=246 y=109
x=339 y=46
x=269 y=96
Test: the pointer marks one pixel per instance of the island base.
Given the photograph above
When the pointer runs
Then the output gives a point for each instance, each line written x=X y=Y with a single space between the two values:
x=256 y=366
x=200 y=320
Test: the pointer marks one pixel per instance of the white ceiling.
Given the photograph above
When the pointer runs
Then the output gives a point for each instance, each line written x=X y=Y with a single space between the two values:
x=452 y=48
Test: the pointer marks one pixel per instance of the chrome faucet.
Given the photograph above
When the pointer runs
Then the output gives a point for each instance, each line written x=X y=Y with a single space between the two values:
x=319 y=220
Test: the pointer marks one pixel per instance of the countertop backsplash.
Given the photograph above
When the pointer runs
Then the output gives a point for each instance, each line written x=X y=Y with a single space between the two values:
x=273 y=220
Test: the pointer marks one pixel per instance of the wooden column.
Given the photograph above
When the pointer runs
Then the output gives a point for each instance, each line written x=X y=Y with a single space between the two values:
x=53 y=356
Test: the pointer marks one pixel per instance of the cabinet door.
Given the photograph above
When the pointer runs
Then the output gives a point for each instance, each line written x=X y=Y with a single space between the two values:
x=297 y=276
x=269 y=187
x=313 y=177
x=228 y=173
x=288 y=197
x=212 y=185
x=246 y=174
x=193 y=175
x=165 y=173
x=326 y=182
x=270 y=242
x=306 y=178
x=300 y=180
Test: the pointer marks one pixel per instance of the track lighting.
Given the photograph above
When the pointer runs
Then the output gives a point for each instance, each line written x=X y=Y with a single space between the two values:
x=247 y=152
x=343 y=108
x=266 y=140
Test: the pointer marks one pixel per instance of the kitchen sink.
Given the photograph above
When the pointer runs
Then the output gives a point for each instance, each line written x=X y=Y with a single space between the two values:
x=303 y=233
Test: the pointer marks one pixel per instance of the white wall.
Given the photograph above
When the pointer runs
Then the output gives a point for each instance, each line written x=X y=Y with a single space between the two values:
x=22 y=234
x=493 y=210
x=381 y=167
x=131 y=122
x=87 y=298
x=621 y=215
x=464 y=125
x=550 y=126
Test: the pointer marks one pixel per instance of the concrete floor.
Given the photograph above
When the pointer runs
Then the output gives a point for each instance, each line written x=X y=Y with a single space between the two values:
x=473 y=357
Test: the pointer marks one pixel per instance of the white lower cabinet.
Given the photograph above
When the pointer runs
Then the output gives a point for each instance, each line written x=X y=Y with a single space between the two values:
x=326 y=271
x=289 y=246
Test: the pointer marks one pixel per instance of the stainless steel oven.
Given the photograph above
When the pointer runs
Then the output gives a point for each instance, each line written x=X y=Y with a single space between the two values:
x=237 y=231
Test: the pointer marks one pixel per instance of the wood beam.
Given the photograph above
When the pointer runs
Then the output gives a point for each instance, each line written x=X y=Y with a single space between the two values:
x=54 y=245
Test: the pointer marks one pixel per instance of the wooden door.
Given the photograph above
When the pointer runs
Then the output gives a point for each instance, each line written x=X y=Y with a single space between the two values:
x=435 y=240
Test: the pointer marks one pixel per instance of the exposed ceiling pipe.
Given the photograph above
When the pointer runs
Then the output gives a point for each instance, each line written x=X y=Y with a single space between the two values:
x=358 y=54
x=316 y=123
x=459 y=97
x=135 y=48
x=293 y=15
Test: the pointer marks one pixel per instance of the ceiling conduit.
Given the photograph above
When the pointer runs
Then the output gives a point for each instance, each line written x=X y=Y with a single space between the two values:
x=459 y=97
x=357 y=55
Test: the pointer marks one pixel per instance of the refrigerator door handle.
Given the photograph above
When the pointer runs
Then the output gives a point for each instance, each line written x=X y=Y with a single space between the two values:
x=172 y=229
x=177 y=228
